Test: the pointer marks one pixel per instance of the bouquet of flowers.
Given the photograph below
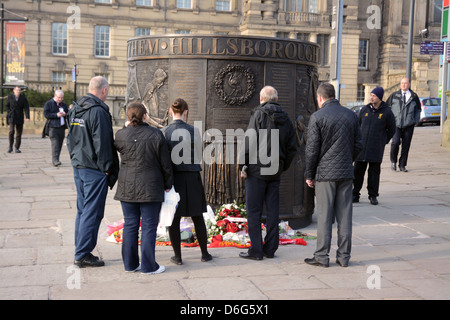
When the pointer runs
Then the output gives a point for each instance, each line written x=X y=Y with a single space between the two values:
x=229 y=218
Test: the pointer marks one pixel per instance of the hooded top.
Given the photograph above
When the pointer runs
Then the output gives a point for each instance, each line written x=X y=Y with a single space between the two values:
x=90 y=139
x=261 y=162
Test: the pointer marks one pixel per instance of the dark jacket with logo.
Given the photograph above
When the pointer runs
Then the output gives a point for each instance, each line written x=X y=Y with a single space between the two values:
x=269 y=116
x=90 y=139
x=377 y=129
x=15 y=109
x=334 y=142
x=405 y=114
x=145 y=165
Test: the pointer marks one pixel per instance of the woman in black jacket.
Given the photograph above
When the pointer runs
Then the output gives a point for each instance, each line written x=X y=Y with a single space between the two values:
x=187 y=178
x=145 y=174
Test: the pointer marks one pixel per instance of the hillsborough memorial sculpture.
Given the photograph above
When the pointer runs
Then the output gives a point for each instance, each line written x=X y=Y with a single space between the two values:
x=220 y=78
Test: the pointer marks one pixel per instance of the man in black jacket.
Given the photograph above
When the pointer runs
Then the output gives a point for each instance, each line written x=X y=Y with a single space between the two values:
x=16 y=105
x=377 y=127
x=406 y=106
x=273 y=134
x=55 y=111
x=95 y=166
x=334 y=141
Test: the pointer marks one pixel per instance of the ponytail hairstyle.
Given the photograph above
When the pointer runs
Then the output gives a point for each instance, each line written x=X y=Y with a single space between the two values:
x=135 y=113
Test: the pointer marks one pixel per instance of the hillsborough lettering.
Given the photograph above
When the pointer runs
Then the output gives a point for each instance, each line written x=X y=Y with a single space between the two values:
x=292 y=51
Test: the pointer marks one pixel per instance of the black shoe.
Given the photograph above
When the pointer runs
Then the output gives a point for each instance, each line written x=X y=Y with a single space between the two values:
x=18 y=151
x=393 y=166
x=342 y=264
x=89 y=261
x=403 y=169
x=57 y=163
x=373 y=200
x=176 y=260
x=206 y=257
x=9 y=150
x=269 y=256
x=245 y=255
x=314 y=262
x=355 y=199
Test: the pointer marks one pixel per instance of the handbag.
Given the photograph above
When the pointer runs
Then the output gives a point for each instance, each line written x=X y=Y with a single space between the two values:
x=168 y=208
x=45 y=131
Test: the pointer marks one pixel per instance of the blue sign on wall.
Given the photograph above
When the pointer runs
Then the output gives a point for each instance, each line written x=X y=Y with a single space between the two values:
x=435 y=48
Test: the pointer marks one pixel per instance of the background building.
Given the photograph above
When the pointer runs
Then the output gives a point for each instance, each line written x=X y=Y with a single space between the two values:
x=93 y=35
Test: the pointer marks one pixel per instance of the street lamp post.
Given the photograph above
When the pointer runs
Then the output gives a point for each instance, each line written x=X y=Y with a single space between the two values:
x=410 y=39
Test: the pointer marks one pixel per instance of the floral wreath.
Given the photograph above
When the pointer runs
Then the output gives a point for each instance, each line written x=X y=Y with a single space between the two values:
x=230 y=217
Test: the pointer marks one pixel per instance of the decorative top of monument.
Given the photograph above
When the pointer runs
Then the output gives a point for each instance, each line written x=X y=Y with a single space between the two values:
x=226 y=47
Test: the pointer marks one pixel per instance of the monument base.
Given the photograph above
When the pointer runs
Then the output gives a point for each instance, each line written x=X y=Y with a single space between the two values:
x=300 y=223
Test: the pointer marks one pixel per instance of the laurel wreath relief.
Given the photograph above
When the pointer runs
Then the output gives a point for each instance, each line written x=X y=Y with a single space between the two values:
x=229 y=83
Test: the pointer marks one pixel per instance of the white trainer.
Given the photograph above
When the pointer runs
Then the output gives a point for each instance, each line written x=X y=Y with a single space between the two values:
x=161 y=269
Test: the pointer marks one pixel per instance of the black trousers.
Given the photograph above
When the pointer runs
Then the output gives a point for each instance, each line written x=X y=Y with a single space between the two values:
x=17 y=129
x=257 y=193
x=56 y=136
x=401 y=137
x=373 y=178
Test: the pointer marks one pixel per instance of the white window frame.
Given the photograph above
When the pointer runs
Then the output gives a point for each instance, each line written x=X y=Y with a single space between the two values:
x=142 y=32
x=363 y=55
x=98 y=33
x=184 y=4
x=223 y=5
x=60 y=39
x=58 y=77
x=144 y=3
x=313 y=6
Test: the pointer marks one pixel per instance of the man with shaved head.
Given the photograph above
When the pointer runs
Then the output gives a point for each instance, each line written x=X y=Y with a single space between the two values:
x=95 y=166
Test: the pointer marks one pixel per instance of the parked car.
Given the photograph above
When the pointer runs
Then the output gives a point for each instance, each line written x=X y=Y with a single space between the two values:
x=357 y=109
x=431 y=111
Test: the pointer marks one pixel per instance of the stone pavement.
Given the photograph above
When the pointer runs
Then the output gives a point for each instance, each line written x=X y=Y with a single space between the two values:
x=404 y=242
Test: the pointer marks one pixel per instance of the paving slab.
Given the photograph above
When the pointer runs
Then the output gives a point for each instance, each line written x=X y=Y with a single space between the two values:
x=401 y=248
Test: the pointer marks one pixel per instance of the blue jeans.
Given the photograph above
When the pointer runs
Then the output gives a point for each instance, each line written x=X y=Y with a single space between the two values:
x=258 y=192
x=92 y=189
x=132 y=213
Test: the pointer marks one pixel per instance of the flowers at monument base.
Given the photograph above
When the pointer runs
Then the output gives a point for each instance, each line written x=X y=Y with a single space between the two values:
x=228 y=225
x=226 y=228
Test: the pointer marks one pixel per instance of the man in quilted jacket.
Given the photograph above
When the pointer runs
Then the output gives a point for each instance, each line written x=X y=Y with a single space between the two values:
x=334 y=142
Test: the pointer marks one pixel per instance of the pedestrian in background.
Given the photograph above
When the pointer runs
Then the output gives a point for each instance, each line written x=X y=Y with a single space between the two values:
x=263 y=187
x=95 y=166
x=55 y=110
x=145 y=173
x=16 y=106
x=334 y=141
x=377 y=128
x=405 y=105
x=187 y=180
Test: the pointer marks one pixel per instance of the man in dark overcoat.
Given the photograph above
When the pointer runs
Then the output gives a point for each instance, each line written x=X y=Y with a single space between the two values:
x=16 y=106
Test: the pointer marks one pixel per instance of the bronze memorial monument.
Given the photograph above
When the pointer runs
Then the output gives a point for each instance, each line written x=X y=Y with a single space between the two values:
x=220 y=78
